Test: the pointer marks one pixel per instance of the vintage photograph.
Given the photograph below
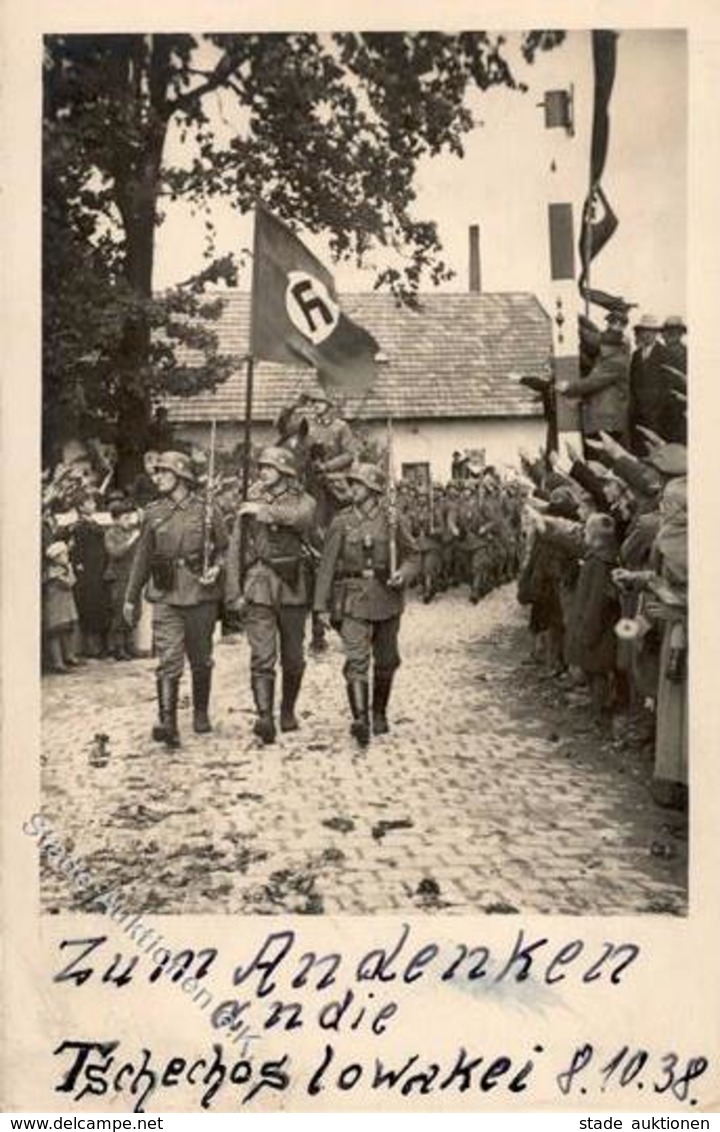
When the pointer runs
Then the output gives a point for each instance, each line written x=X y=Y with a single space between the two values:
x=364 y=473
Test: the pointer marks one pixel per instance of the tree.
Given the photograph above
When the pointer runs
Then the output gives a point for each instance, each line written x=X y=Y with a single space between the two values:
x=328 y=132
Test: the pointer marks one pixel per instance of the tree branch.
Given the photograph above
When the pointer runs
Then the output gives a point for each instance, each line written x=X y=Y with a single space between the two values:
x=217 y=78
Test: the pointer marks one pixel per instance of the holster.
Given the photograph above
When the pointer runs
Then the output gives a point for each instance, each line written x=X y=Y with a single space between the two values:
x=288 y=570
x=162 y=572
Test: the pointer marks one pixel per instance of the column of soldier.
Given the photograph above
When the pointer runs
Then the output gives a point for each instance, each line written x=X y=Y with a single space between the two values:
x=605 y=564
x=315 y=540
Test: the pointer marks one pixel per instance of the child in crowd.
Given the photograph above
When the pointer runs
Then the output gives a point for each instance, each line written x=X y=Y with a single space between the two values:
x=60 y=617
x=120 y=546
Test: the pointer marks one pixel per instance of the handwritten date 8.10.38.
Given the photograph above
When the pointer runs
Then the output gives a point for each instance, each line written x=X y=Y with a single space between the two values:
x=590 y=1071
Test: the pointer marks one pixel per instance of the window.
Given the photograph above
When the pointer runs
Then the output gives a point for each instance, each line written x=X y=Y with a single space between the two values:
x=417 y=473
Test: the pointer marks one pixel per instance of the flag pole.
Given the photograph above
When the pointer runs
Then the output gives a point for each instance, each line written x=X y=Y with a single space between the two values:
x=247 y=431
x=391 y=499
x=588 y=248
x=249 y=389
x=209 y=498
x=247 y=453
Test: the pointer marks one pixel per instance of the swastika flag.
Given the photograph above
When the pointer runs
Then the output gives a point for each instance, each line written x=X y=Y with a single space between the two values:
x=296 y=316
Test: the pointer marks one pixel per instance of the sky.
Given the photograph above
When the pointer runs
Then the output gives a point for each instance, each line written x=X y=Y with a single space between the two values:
x=506 y=179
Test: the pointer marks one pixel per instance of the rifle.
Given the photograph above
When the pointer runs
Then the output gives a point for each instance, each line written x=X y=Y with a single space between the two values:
x=209 y=496
x=391 y=500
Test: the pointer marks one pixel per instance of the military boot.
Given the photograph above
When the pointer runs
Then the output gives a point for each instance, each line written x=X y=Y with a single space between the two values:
x=201 y=683
x=382 y=687
x=158 y=731
x=290 y=691
x=358 y=697
x=428 y=588
x=263 y=688
x=318 y=642
x=166 y=731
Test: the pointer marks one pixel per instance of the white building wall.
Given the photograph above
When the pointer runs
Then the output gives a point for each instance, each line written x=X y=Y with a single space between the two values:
x=434 y=441
x=422 y=441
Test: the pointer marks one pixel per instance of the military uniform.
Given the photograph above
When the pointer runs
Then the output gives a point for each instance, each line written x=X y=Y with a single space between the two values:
x=334 y=444
x=449 y=532
x=331 y=447
x=352 y=582
x=276 y=589
x=169 y=558
x=427 y=532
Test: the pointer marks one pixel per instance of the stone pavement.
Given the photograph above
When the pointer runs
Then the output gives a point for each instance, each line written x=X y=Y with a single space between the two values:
x=489 y=795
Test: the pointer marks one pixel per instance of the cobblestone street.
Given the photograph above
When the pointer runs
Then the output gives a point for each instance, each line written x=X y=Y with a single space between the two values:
x=490 y=794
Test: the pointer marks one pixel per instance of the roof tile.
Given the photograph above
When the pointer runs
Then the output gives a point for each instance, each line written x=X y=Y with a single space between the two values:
x=453 y=357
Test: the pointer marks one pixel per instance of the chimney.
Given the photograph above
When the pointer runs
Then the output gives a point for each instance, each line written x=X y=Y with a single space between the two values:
x=475 y=284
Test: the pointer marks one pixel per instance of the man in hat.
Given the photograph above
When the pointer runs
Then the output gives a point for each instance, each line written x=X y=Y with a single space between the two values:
x=171 y=557
x=603 y=393
x=272 y=585
x=650 y=390
x=356 y=580
x=674 y=331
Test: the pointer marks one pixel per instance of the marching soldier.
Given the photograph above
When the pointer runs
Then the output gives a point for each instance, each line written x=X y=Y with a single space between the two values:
x=427 y=532
x=275 y=592
x=365 y=598
x=180 y=554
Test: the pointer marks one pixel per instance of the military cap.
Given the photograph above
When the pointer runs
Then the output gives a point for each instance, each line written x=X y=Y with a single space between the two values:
x=177 y=462
x=318 y=395
x=371 y=476
x=278 y=458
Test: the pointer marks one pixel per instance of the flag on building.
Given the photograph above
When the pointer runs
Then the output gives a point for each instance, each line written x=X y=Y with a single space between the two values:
x=599 y=220
x=296 y=315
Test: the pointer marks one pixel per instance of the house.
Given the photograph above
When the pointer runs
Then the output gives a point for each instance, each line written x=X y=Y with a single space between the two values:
x=447 y=376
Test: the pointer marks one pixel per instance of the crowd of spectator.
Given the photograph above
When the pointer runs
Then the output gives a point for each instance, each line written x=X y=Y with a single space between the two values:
x=605 y=562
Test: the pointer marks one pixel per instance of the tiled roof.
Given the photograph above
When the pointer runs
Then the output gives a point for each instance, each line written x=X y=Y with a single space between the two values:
x=453 y=357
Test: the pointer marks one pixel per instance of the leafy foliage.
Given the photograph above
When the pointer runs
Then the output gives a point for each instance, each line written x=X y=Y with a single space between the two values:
x=326 y=130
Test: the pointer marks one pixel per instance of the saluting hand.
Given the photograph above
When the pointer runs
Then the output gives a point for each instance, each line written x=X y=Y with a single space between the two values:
x=210 y=576
x=396 y=581
x=572 y=452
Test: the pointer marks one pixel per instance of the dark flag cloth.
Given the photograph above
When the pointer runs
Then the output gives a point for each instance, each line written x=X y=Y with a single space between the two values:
x=296 y=315
x=613 y=304
x=596 y=231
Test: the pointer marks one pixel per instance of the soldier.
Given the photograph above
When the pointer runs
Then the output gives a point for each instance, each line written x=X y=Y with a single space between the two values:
x=275 y=588
x=449 y=533
x=330 y=448
x=177 y=538
x=354 y=580
x=427 y=532
x=330 y=438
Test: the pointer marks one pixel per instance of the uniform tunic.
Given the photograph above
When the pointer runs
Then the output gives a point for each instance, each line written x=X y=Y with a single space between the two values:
x=353 y=577
x=276 y=585
x=169 y=559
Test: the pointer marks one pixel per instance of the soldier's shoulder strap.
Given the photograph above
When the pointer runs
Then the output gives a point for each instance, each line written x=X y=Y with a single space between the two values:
x=159 y=513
